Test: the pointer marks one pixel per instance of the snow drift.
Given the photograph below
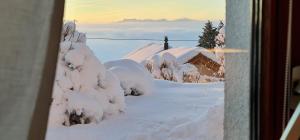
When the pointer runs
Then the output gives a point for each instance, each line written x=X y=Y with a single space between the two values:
x=135 y=80
x=84 y=91
x=174 y=111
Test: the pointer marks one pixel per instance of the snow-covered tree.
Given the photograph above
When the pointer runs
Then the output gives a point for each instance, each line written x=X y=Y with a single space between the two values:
x=84 y=91
x=220 y=38
x=219 y=49
x=135 y=79
x=207 y=39
x=221 y=25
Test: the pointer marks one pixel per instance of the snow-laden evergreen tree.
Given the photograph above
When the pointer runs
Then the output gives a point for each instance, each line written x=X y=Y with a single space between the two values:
x=221 y=25
x=84 y=90
x=207 y=39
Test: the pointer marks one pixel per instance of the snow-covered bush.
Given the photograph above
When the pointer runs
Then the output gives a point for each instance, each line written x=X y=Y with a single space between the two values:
x=135 y=80
x=164 y=66
x=169 y=68
x=153 y=66
x=219 y=51
x=220 y=38
x=69 y=33
x=84 y=91
x=190 y=73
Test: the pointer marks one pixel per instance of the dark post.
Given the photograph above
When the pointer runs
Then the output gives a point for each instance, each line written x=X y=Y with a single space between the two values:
x=166 y=45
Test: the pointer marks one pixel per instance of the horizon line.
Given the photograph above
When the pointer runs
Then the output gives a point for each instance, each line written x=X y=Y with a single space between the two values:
x=147 y=20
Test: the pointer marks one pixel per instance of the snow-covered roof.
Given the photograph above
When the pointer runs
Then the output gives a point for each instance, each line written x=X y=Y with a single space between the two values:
x=182 y=54
x=209 y=54
x=145 y=52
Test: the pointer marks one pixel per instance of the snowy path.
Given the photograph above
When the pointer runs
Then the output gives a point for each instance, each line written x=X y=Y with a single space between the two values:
x=173 y=112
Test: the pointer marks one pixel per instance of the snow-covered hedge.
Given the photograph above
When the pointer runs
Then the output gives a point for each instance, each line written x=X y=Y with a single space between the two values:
x=84 y=91
x=165 y=66
x=135 y=80
x=190 y=73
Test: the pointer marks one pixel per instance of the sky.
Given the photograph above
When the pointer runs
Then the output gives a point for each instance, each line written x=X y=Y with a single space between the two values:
x=108 y=11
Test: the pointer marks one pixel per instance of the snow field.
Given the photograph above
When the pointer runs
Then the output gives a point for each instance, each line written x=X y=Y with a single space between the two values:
x=174 y=111
x=89 y=92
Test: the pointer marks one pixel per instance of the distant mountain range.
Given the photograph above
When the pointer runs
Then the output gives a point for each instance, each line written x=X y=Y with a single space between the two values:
x=159 y=20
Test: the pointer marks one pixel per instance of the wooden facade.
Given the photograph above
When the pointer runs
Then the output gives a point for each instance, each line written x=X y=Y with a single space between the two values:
x=206 y=66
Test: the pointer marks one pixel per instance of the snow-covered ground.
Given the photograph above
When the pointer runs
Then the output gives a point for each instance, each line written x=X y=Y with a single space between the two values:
x=89 y=102
x=174 y=111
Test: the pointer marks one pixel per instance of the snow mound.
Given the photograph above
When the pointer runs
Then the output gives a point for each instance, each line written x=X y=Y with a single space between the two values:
x=135 y=80
x=84 y=91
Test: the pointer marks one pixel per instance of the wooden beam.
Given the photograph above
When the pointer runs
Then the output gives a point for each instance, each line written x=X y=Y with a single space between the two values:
x=273 y=59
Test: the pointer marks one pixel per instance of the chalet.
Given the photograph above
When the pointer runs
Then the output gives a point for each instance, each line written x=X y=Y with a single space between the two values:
x=205 y=60
x=206 y=65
